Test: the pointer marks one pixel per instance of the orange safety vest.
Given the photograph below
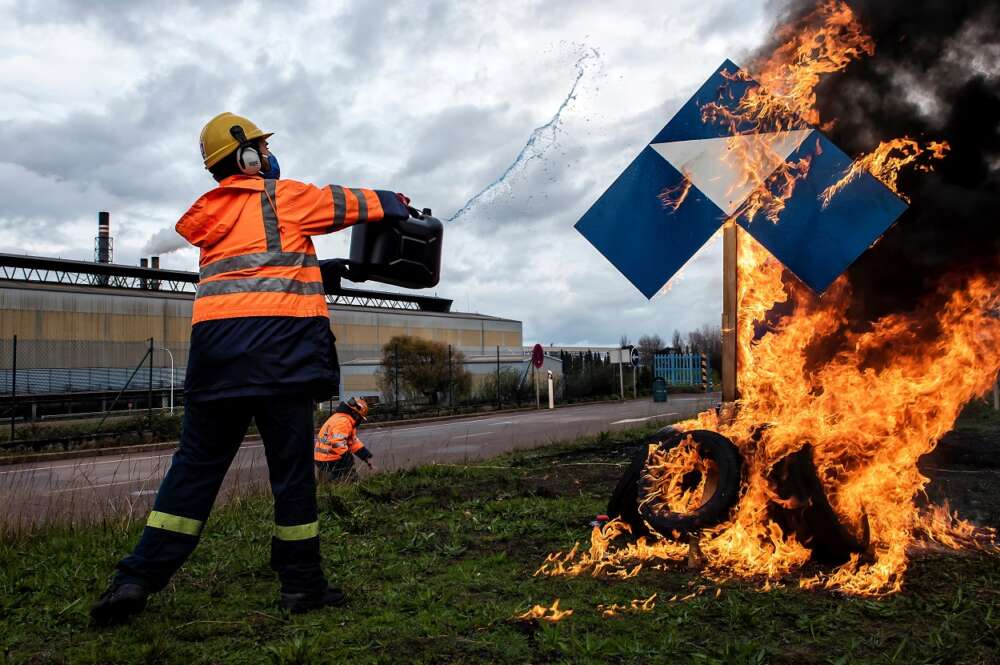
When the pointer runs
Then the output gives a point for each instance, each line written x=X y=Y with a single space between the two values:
x=257 y=254
x=337 y=437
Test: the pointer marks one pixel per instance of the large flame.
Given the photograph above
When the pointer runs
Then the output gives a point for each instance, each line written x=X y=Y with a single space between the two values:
x=869 y=401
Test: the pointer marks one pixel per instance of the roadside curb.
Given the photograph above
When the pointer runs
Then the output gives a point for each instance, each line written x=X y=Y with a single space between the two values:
x=255 y=438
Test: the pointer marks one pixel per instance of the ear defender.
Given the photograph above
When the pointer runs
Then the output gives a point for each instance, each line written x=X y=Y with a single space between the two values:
x=247 y=157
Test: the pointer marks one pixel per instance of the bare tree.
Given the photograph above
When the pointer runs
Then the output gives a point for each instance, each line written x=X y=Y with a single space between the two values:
x=649 y=345
x=707 y=340
x=677 y=342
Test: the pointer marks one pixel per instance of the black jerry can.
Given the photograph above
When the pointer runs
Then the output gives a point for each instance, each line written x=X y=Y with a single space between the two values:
x=405 y=253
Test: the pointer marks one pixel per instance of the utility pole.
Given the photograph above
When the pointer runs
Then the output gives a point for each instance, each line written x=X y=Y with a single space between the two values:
x=730 y=308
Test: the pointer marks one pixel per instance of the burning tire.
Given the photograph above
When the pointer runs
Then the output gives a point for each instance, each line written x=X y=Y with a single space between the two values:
x=720 y=485
x=806 y=511
x=624 y=503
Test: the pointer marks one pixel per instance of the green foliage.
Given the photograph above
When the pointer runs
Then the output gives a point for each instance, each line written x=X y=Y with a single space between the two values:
x=115 y=431
x=424 y=369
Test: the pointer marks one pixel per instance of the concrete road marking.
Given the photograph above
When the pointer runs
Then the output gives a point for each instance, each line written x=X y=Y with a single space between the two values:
x=639 y=420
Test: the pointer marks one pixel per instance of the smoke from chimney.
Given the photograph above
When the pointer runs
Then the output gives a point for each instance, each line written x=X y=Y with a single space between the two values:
x=164 y=241
x=935 y=75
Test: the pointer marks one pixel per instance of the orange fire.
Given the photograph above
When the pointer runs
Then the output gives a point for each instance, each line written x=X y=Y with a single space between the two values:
x=542 y=613
x=637 y=605
x=669 y=474
x=885 y=163
x=869 y=401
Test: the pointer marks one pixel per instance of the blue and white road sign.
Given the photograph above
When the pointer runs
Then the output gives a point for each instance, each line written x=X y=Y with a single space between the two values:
x=649 y=241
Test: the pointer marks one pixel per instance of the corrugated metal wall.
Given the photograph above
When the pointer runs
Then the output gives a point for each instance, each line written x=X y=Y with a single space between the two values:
x=67 y=327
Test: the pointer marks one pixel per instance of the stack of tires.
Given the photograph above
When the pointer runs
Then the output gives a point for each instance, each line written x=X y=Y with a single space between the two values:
x=804 y=511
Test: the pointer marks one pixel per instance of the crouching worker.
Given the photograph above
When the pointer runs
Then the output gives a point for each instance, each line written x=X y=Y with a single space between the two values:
x=262 y=351
x=338 y=442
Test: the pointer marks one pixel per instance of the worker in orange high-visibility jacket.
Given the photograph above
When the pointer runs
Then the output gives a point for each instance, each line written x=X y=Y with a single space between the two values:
x=261 y=350
x=337 y=442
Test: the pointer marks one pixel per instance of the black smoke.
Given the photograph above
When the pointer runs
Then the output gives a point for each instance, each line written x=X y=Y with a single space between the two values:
x=935 y=75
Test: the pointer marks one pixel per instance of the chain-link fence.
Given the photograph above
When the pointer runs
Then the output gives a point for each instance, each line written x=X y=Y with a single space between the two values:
x=55 y=391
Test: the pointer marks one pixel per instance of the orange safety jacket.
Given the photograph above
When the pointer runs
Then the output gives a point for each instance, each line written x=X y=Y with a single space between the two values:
x=339 y=437
x=257 y=254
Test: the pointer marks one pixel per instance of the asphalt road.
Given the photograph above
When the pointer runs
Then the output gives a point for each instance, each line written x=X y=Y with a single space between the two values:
x=123 y=486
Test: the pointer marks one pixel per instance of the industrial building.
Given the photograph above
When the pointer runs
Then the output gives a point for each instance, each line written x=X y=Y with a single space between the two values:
x=83 y=327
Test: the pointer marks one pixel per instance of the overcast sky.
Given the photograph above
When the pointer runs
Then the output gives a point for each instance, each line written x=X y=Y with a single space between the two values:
x=102 y=102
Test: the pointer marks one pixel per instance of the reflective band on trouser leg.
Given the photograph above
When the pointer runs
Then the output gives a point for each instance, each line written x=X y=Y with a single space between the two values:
x=298 y=532
x=174 y=523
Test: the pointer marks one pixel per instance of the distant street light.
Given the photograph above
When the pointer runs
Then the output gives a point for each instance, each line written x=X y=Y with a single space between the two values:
x=163 y=348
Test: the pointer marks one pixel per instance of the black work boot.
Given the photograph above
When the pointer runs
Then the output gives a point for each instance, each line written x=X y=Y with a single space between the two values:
x=297 y=603
x=118 y=604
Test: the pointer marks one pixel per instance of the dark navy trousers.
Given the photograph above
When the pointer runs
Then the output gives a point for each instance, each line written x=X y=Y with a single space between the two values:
x=211 y=435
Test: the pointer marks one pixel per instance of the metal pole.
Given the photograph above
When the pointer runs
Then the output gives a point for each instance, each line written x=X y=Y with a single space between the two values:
x=396 y=362
x=13 y=389
x=149 y=387
x=169 y=353
x=534 y=375
x=499 y=405
x=450 y=395
x=621 y=376
x=635 y=389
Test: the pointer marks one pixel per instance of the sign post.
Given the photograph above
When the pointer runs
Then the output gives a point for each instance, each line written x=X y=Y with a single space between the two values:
x=621 y=375
x=683 y=186
x=537 y=361
x=729 y=314
x=634 y=357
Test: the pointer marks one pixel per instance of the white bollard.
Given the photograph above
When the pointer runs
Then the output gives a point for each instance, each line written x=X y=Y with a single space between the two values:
x=552 y=396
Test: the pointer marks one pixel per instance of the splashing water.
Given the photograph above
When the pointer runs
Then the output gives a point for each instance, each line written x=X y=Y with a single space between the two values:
x=540 y=141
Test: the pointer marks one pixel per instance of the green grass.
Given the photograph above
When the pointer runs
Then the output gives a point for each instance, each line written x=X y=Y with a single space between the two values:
x=436 y=562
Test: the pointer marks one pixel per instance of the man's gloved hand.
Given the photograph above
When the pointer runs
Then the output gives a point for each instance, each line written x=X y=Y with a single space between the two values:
x=395 y=206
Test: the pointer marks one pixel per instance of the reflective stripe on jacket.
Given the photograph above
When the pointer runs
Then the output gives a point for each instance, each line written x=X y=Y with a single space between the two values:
x=257 y=254
x=338 y=437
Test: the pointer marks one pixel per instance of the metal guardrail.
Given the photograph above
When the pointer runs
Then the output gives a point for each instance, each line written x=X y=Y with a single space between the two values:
x=41 y=381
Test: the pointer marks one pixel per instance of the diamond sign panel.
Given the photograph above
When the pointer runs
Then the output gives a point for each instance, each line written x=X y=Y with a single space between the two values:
x=649 y=240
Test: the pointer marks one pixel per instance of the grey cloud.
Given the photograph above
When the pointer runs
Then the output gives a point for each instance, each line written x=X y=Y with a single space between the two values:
x=515 y=256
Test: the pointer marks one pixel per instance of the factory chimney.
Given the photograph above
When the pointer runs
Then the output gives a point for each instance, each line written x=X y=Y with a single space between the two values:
x=143 y=282
x=154 y=263
x=103 y=246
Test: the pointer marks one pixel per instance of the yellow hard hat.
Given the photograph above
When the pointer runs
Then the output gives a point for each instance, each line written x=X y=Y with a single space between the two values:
x=217 y=140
